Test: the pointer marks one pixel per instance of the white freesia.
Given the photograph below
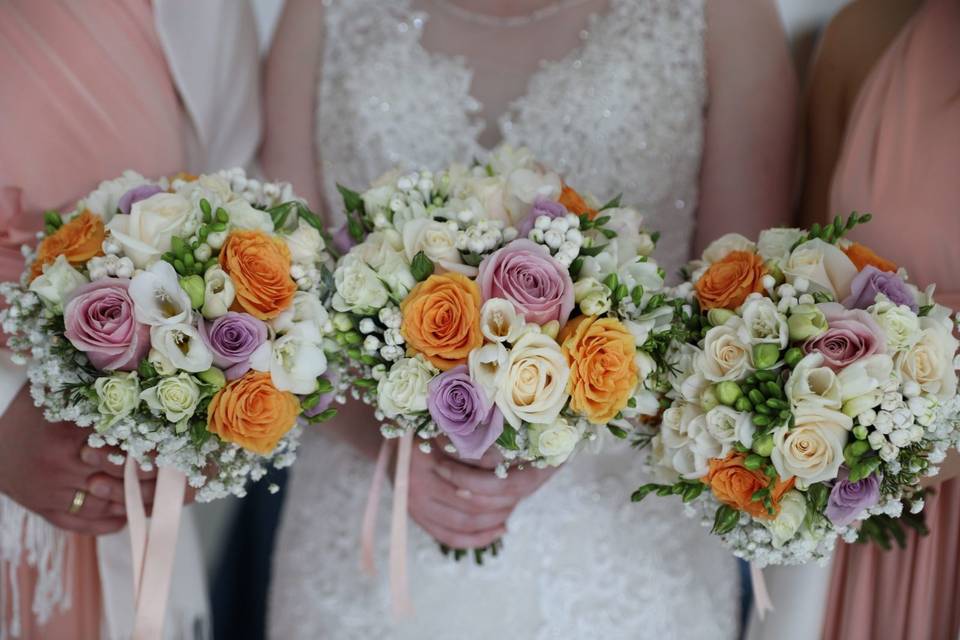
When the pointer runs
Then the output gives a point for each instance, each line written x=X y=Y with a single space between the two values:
x=901 y=326
x=145 y=233
x=500 y=321
x=488 y=366
x=725 y=245
x=182 y=345
x=396 y=275
x=105 y=200
x=775 y=244
x=646 y=365
x=305 y=244
x=729 y=427
x=244 y=215
x=555 y=442
x=631 y=241
x=117 y=397
x=661 y=461
x=305 y=309
x=929 y=362
x=726 y=352
x=600 y=265
x=861 y=382
x=675 y=427
x=812 y=451
x=765 y=324
x=811 y=382
x=358 y=287
x=437 y=240
x=823 y=265
x=524 y=187
x=218 y=293
x=175 y=398
x=534 y=387
x=157 y=296
x=592 y=295
x=403 y=390
x=294 y=360
x=793 y=510
x=56 y=283
x=161 y=363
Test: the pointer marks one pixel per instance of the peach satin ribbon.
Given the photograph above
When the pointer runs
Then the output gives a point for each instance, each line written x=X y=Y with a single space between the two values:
x=399 y=590
x=153 y=550
x=761 y=596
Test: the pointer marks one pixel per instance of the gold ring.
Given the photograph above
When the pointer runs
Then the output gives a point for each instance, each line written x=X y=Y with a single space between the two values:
x=78 y=499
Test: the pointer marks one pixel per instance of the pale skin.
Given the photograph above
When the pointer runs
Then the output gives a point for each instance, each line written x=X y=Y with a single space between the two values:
x=745 y=186
x=851 y=46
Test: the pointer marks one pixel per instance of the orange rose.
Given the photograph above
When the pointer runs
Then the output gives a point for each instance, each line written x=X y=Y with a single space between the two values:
x=441 y=319
x=252 y=413
x=77 y=241
x=727 y=283
x=862 y=256
x=259 y=266
x=603 y=368
x=734 y=485
x=575 y=203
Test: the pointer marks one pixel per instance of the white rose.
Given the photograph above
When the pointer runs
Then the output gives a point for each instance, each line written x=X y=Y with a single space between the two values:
x=524 y=187
x=358 y=288
x=764 y=323
x=377 y=247
x=860 y=383
x=305 y=244
x=592 y=295
x=175 y=398
x=725 y=245
x=534 y=387
x=793 y=510
x=929 y=362
x=218 y=293
x=182 y=346
x=117 y=396
x=158 y=297
x=813 y=449
x=499 y=320
x=377 y=199
x=488 y=366
x=823 y=265
x=396 y=274
x=555 y=442
x=145 y=233
x=56 y=283
x=437 y=240
x=811 y=382
x=294 y=360
x=403 y=390
x=726 y=352
x=729 y=427
x=306 y=309
x=106 y=197
x=675 y=426
x=775 y=244
x=901 y=326
x=244 y=215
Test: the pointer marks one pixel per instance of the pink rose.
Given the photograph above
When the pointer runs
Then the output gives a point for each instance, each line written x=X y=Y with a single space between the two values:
x=851 y=334
x=525 y=273
x=100 y=322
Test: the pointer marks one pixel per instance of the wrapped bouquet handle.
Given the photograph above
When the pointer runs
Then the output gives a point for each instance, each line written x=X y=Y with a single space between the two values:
x=760 y=594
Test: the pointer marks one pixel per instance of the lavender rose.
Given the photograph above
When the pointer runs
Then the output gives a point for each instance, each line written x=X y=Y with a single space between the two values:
x=232 y=338
x=851 y=334
x=135 y=195
x=870 y=282
x=462 y=410
x=525 y=273
x=99 y=320
x=849 y=499
x=541 y=207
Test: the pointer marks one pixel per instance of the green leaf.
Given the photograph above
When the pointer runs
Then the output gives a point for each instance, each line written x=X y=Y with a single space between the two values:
x=471 y=259
x=592 y=251
x=323 y=416
x=324 y=385
x=613 y=204
x=644 y=491
x=508 y=439
x=365 y=383
x=52 y=219
x=576 y=267
x=421 y=267
x=355 y=228
x=351 y=199
x=725 y=520
x=925 y=310
x=617 y=431
x=602 y=220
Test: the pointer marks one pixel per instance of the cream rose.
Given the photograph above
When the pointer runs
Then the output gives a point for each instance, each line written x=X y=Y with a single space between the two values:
x=929 y=362
x=793 y=510
x=823 y=265
x=403 y=391
x=534 y=387
x=811 y=382
x=146 y=233
x=725 y=245
x=812 y=451
x=726 y=352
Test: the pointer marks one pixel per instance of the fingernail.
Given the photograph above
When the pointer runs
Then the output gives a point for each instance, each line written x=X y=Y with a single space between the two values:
x=443 y=472
x=100 y=490
x=90 y=457
x=464 y=493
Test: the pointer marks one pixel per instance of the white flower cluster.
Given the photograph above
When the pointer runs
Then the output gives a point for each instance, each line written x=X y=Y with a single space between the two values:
x=561 y=235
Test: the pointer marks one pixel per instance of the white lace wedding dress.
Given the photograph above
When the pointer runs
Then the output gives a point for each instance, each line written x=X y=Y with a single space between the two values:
x=622 y=112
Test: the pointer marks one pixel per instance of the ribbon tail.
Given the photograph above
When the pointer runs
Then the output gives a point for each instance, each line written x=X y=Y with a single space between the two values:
x=398 y=531
x=369 y=528
x=760 y=594
x=151 y=604
x=136 y=520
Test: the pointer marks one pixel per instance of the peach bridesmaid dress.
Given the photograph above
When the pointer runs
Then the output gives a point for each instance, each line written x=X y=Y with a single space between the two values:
x=901 y=161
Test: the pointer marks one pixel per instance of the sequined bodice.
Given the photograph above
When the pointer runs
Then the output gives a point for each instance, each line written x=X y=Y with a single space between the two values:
x=622 y=112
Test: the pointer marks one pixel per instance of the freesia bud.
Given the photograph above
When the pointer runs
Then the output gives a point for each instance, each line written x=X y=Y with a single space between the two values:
x=709 y=399
x=194 y=286
x=806 y=321
x=342 y=322
x=765 y=355
x=718 y=317
x=727 y=392
x=214 y=377
x=763 y=446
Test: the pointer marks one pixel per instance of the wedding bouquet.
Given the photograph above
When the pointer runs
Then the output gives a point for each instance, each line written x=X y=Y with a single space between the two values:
x=495 y=306
x=182 y=319
x=815 y=388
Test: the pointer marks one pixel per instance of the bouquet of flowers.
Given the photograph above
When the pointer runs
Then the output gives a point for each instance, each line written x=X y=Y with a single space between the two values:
x=182 y=320
x=495 y=306
x=814 y=389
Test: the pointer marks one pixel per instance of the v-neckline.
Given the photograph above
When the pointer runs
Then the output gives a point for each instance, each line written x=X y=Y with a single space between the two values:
x=504 y=121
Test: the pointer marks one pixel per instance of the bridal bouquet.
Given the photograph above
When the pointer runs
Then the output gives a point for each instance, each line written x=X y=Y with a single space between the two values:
x=182 y=320
x=495 y=306
x=815 y=388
